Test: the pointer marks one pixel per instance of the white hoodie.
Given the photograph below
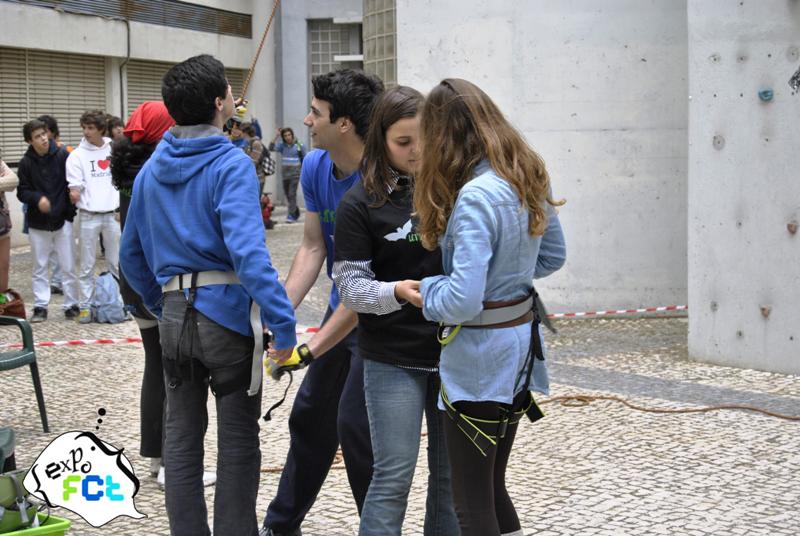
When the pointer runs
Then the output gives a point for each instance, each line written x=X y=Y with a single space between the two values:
x=89 y=170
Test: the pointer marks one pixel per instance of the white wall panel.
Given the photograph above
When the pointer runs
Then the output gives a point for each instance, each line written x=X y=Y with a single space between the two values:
x=743 y=194
x=600 y=90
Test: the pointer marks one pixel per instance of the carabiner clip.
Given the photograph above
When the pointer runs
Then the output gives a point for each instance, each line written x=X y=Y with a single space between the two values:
x=446 y=334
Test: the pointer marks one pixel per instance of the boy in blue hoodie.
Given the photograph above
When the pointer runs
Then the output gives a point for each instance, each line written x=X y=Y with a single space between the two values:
x=193 y=248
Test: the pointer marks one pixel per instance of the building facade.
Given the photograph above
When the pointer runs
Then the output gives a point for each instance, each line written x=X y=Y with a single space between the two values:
x=63 y=57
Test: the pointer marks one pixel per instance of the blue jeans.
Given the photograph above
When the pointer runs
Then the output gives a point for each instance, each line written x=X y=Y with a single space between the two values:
x=396 y=399
x=216 y=354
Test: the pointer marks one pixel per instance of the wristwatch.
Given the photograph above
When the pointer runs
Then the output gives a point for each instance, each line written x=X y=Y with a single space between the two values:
x=305 y=354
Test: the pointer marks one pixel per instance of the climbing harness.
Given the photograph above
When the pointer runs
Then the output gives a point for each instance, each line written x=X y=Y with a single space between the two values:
x=191 y=282
x=484 y=433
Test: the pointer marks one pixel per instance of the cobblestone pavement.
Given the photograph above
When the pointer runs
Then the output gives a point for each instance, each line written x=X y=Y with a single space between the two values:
x=596 y=470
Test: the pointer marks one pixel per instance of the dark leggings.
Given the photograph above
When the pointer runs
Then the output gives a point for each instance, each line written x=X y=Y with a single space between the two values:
x=153 y=394
x=482 y=503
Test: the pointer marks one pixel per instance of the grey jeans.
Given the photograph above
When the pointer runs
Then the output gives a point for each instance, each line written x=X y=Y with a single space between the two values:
x=210 y=353
x=291 y=178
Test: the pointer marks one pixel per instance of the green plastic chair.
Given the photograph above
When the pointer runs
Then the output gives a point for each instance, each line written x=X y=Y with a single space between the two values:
x=24 y=356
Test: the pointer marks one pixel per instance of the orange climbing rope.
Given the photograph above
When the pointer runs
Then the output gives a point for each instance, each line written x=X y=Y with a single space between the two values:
x=577 y=401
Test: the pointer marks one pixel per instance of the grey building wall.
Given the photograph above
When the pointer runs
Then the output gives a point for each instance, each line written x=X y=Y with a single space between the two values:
x=600 y=90
x=744 y=193
x=294 y=83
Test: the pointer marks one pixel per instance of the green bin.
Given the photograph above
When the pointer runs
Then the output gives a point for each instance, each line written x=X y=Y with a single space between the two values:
x=55 y=526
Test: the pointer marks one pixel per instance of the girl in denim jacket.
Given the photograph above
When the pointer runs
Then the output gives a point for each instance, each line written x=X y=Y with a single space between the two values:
x=483 y=196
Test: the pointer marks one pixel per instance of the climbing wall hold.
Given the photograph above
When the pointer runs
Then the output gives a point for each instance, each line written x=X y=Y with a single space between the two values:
x=719 y=142
x=766 y=95
x=794 y=81
x=792 y=227
x=765 y=310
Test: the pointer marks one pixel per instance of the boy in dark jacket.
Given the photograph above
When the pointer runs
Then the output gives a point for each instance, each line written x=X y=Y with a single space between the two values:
x=43 y=186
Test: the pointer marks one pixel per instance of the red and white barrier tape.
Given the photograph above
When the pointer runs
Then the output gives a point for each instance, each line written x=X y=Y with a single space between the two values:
x=307 y=330
x=84 y=342
x=621 y=311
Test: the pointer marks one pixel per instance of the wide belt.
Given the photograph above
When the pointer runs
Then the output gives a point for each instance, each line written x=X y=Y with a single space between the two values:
x=503 y=314
x=216 y=277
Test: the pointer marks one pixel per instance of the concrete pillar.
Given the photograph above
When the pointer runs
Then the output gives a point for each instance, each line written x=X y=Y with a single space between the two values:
x=744 y=196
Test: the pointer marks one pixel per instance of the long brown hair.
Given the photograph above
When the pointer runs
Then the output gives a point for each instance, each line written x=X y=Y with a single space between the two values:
x=393 y=105
x=460 y=126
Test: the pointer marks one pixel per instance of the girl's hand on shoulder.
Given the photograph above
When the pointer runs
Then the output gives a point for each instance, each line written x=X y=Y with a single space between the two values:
x=408 y=290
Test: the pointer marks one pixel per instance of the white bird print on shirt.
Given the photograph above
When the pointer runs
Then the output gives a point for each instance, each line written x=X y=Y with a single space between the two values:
x=401 y=233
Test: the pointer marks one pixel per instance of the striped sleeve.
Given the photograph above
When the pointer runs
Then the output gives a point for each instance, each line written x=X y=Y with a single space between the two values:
x=360 y=292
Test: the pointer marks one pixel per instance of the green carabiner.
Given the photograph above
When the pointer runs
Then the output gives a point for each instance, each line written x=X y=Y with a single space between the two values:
x=447 y=333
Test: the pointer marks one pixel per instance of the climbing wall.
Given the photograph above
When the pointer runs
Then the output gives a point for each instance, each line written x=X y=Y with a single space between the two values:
x=744 y=184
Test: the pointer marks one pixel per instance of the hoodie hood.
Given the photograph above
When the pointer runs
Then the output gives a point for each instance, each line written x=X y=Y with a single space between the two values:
x=51 y=150
x=86 y=146
x=176 y=160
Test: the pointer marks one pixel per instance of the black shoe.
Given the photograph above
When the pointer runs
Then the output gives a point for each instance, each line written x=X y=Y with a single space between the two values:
x=39 y=315
x=56 y=290
x=72 y=312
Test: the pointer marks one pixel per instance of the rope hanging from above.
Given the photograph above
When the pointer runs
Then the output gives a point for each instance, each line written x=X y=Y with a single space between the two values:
x=246 y=84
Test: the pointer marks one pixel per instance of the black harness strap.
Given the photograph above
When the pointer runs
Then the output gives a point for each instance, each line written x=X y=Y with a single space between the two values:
x=279 y=403
x=185 y=349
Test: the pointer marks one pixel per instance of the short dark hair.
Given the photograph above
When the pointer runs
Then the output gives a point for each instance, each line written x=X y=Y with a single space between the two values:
x=190 y=88
x=30 y=127
x=51 y=124
x=113 y=121
x=248 y=129
x=351 y=93
x=98 y=118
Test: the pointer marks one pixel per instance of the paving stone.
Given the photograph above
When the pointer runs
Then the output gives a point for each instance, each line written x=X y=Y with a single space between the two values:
x=594 y=470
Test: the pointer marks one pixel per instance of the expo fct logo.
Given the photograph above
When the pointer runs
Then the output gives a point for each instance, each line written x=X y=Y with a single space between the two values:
x=80 y=478
x=80 y=472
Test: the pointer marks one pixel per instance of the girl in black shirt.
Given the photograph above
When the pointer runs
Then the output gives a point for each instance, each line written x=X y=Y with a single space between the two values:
x=378 y=262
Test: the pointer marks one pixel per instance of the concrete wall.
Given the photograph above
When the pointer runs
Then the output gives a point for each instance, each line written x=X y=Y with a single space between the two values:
x=263 y=92
x=744 y=188
x=600 y=90
x=293 y=85
x=295 y=93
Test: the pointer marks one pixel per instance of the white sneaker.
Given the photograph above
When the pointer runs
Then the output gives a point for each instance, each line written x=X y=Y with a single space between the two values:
x=209 y=478
x=155 y=466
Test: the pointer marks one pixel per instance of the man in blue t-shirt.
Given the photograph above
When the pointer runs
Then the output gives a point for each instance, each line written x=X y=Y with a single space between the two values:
x=329 y=407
